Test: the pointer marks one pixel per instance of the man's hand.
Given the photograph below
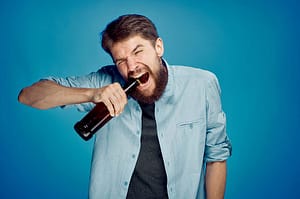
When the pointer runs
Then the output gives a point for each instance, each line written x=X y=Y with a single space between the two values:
x=113 y=96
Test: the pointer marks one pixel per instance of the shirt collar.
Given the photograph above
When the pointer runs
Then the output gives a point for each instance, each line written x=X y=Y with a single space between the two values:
x=169 y=90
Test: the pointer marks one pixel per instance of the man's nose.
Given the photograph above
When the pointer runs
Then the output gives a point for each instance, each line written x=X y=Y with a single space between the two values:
x=131 y=64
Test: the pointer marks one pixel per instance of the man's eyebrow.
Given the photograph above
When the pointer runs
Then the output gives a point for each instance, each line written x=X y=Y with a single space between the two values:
x=138 y=46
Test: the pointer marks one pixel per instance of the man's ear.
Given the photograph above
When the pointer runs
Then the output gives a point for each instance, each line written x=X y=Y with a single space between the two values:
x=159 y=47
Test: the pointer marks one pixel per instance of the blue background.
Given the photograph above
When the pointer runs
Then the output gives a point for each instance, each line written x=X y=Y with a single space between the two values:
x=252 y=46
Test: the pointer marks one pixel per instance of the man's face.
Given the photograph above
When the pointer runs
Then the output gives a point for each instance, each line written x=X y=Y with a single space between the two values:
x=136 y=56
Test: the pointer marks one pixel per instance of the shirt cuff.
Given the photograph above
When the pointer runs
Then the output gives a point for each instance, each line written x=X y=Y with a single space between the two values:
x=219 y=152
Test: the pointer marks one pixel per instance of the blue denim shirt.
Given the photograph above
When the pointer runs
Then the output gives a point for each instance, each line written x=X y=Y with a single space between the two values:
x=191 y=128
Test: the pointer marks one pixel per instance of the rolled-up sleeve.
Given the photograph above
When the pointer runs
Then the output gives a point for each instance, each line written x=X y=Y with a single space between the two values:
x=88 y=81
x=218 y=146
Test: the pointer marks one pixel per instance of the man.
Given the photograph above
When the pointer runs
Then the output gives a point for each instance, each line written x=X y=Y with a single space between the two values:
x=167 y=139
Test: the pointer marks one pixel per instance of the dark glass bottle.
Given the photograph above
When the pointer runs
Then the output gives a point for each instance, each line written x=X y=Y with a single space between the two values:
x=98 y=116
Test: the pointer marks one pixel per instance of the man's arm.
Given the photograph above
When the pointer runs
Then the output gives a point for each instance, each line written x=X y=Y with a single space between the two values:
x=215 y=180
x=48 y=94
x=218 y=146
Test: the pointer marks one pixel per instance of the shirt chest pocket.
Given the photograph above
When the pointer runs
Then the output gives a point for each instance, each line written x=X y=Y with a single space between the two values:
x=191 y=134
x=191 y=127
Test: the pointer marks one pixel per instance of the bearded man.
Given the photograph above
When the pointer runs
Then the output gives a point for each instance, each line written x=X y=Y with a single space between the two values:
x=167 y=139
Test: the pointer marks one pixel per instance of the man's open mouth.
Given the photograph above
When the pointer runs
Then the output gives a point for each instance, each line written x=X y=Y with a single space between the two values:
x=143 y=78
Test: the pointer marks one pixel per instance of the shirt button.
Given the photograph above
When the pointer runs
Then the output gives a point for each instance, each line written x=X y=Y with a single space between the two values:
x=133 y=156
x=125 y=183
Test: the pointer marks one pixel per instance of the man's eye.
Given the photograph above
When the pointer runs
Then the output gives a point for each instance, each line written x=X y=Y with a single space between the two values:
x=119 y=62
x=138 y=52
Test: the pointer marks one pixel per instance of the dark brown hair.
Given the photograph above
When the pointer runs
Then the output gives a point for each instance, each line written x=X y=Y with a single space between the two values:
x=127 y=26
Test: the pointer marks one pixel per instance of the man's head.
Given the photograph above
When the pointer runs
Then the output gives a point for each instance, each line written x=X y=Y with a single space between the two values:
x=134 y=45
x=127 y=26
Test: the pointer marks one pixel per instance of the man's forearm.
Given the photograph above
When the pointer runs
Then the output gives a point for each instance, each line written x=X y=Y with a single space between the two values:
x=47 y=94
x=215 y=180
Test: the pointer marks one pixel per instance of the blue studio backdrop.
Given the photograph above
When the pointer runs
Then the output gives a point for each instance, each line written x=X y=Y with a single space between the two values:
x=252 y=46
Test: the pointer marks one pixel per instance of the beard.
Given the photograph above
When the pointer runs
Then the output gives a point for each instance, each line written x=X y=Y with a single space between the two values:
x=160 y=80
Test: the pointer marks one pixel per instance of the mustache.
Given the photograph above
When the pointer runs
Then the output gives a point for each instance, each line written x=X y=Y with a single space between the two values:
x=136 y=72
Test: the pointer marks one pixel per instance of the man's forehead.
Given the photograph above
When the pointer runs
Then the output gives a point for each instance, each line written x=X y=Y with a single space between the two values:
x=127 y=46
x=130 y=42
